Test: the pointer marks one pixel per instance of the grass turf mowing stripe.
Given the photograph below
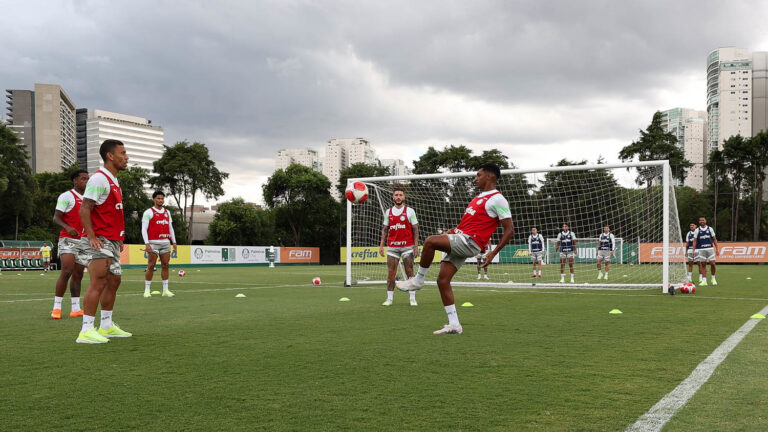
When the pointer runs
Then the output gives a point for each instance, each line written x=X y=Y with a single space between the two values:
x=667 y=407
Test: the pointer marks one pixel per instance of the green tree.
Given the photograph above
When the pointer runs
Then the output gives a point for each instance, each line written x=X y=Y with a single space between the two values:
x=239 y=223
x=736 y=152
x=359 y=170
x=305 y=212
x=17 y=184
x=185 y=170
x=135 y=201
x=717 y=181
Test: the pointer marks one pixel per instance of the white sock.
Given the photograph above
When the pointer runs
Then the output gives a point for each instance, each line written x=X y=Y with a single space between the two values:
x=146 y=285
x=453 y=317
x=562 y=275
x=606 y=273
x=390 y=295
x=689 y=275
x=571 y=276
x=422 y=273
x=106 y=319
x=75 y=304
x=88 y=321
x=57 y=302
x=413 y=295
x=539 y=272
x=165 y=285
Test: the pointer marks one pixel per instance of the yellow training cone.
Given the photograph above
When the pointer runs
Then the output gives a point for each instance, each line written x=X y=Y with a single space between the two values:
x=467 y=304
x=343 y=299
x=615 y=312
x=758 y=316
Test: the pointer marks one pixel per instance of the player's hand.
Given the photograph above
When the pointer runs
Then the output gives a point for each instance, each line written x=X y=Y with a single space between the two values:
x=122 y=246
x=174 y=247
x=381 y=251
x=450 y=231
x=147 y=248
x=96 y=243
x=488 y=258
x=415 y=251
x=73 y=232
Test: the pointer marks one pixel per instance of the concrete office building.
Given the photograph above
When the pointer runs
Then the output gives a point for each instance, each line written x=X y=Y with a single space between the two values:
x=690 y=128
x=729 y=94
x=44 y=119
x=341 y=153
x=143 y=141
x=396 y=167
x=307 y=157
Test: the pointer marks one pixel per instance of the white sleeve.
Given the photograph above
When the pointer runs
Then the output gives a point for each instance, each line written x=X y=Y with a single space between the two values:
x=530 y=237
x=412 y=216
x=559 y=236
x=573 y=236
x=497 y=206
x=613 y=242
x=712 y=231
x=170 y=227
x=386 y=217
x=696 y=234
x=543 y=245
x=97 y=188
x=145 y=224
x=65 y=202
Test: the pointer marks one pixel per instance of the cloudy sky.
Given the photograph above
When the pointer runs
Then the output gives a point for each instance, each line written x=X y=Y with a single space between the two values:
x=538 y=80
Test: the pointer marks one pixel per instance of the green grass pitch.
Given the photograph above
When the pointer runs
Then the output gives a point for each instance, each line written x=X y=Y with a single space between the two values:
x=291 y=357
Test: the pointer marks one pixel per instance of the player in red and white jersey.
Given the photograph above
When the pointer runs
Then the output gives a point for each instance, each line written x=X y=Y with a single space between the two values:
x=102 y=216
x=157 y=231
x=400 y=233
x=67 y=216
x=480 y=220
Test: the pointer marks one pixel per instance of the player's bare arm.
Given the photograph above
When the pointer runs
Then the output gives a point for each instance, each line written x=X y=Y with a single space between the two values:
x=509 y=231
x=557 y=246
x=416 y=241
x=693 y=248
x=85 y=217
x=60 y=222
x=714 y=243
x=384 y=231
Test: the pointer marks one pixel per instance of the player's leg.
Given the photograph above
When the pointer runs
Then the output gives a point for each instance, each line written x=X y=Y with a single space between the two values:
x=607 y=266
x=712 y=268
x=108 y=327
x=165 y=263
x=562 y=267
x=391 y=273
x=533 y=263
x=74 y=290
x=408 y=265
x=67 y=268
x=98 y=270
x=149 y=273
x=447 y=271
x=690 y=267
x=599 y=266
x=570 y=266
x=441 y=242
x=702 y=272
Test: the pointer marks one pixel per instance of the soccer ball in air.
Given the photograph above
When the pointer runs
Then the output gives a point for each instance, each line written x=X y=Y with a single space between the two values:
x=357 y=192
x=316 y=281
x=182 y=273
x=688 y=288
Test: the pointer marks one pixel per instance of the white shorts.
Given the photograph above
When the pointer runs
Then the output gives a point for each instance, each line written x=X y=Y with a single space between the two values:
x=400 y=252
x=46 y=259
x=689 y=255
x=162 y=247
x=704 y=255
x=604 y=255
x=68 y=246
x=565 y=255
x=537 y=256
x=462 y=247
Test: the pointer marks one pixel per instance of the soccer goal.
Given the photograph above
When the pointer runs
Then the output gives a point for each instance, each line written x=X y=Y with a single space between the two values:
x=635 y=200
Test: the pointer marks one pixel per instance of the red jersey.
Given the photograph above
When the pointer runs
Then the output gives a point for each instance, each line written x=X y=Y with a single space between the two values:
x=107 y=218
x=72 y=218
x=477 y=223
x=159 y=225
x=400 y=229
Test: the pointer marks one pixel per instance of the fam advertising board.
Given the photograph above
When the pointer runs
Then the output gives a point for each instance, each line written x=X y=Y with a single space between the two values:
x=742 y=252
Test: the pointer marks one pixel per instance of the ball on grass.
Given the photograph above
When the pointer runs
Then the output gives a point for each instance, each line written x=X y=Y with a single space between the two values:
x=316 y=281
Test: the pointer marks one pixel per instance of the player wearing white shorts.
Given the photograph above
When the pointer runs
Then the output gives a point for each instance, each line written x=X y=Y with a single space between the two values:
x=689 y=250
x=400 y=233
x=705 y=250
x=566 y=244
x=480 y=258
x=480 y=220
x=67 y=216
x=606 y=249
x=45 y=252
x=157 y=231
x=536 y=250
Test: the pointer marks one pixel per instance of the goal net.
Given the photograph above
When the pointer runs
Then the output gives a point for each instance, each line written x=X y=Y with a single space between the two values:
x=635 y=200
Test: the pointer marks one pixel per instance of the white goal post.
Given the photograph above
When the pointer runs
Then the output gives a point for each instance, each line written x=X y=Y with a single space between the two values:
x=636 y=200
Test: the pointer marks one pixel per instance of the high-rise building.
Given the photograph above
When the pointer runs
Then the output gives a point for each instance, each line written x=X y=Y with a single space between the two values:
x=396 y=167
x=729 y=94
x=44 y=119
x=690 y=128
x=143 y=141
x=759 y=92
x=340 y=153
x=307 y=157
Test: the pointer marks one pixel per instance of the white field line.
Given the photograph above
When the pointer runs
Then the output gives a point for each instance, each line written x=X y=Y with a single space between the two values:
x=667 y=407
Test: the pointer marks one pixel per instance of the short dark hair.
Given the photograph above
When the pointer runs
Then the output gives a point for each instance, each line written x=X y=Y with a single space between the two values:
x=568 y=225
x=108 y=146
x=76 y=173
x=491 y=168
x=158 y=192
x=398 y=189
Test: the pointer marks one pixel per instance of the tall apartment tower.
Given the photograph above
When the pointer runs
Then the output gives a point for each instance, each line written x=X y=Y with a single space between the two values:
x=44 y=119
x=729 y=94
x=143 y=141
x=396 y=167
x=307 y=157
x=340 y=153
x=759 y=92
x=690 y=128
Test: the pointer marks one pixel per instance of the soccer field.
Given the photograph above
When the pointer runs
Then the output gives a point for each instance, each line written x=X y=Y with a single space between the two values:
x=290 y=356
